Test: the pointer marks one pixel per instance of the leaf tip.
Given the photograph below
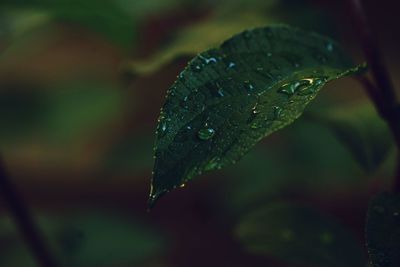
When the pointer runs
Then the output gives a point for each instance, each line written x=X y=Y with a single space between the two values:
x=154 y=196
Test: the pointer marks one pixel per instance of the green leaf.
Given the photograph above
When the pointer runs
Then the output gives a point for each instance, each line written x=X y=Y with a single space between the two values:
x=229 y=98
x=299 y=235
x=383 y=230
x=361 y=130
x=104 y=17
x=196 y=38
x=87 y=239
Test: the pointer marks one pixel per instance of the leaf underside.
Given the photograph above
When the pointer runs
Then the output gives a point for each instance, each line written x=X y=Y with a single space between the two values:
x=383 y=230
x=229 y=98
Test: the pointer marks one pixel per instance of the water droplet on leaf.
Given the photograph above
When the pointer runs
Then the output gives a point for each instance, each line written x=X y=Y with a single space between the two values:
x=197 y=68
x=248 y=85
x=206 y=133
x=231 y=65
x=208 y=60
x=163 y=128
x=278 y=112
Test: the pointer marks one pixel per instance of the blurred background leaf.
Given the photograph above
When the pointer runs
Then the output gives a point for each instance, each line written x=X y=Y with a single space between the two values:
x=360 y=128
x=228 y=18
x=59 y=114
x=299 y=235
x=281 y=164
x=87 y=239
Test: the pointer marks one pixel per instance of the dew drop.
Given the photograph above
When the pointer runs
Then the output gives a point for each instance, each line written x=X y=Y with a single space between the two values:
x=208 y=60
x=288 y=89
x=248 y=85
x=254 y=113
x=206 y=133
x=231 y=65
x=307 y=86
x=163 y=128
x=197 y=68
x=220 y=92
x=269 y=54
x=255 y=126
x=214 y=163
x=182 y=185
x=278 y=112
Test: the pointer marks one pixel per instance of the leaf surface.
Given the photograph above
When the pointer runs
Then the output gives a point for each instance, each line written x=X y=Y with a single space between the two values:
x=229 y=98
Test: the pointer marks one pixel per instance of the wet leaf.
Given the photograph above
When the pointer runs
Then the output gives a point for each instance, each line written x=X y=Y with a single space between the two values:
x=299 y=235
x=383 y=230
x=229 y=98
x=361 y=130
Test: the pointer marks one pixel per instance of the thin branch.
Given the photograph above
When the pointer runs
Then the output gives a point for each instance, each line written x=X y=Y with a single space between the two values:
x=384 y=96
x=24 y=221
x=373 y=55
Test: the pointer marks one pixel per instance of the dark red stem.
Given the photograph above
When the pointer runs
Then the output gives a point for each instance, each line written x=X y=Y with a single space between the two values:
x=24 y=221
x=383 y=94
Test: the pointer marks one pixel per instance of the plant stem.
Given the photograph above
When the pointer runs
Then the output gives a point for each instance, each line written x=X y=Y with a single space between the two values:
x=384 y=96
x=24 y=221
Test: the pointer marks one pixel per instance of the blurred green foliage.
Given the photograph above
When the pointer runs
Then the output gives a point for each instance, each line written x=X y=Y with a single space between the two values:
x=94 y=238
x=60 y=114
x=299 y=235
x=227 y=19
x=116 y=20
x=361 y=130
